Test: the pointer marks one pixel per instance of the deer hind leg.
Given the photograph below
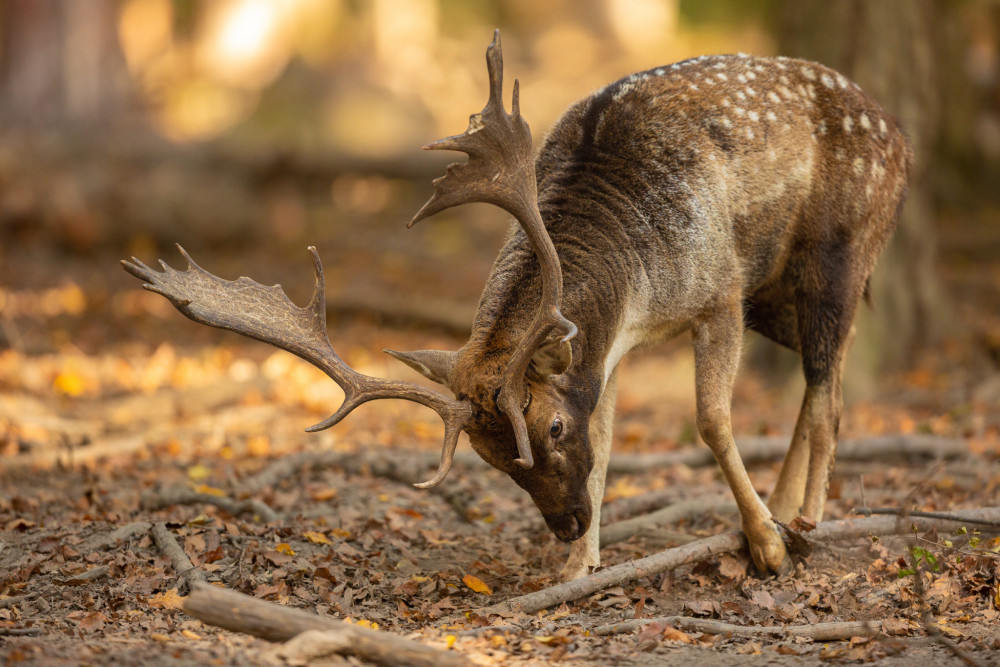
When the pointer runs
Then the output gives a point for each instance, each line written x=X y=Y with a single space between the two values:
x=718 y=341
x=585 y=554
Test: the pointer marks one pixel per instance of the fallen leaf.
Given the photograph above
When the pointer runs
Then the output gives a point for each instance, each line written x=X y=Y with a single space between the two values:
x=190 y=635
x=198 y=472
x=802 y=524
x=477 y=584
x=315 y=537
x=209 y=490
x=732 y=568
x=169 y=599
x=284 y=548
x=672 y=634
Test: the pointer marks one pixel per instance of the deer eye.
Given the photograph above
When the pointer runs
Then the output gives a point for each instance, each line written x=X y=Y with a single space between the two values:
x=557 y=428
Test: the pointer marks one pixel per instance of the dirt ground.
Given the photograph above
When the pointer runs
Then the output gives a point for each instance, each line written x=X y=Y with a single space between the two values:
x=111 y=403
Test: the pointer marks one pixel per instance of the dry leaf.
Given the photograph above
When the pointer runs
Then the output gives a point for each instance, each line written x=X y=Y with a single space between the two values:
x=284 y=548
x=672 y=634
x=802 y=524
x=167 y=600
x=732 y=568
x=477 y=584
x=315 y=537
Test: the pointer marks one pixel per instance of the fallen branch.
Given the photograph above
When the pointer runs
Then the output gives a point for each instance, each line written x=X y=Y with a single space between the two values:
x=241 y=613
x=121 y=534
x=85 y=576
x=167 y=543
x=716 y=545
x=624 y=508
x=685 y=509
x=19 y=632
x=820 y=632
x=761 y=449
x=895 y=511
x=184 y=496
x=405 y=468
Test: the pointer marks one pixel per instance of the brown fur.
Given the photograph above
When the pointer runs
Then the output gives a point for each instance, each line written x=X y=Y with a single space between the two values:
x=709 y=195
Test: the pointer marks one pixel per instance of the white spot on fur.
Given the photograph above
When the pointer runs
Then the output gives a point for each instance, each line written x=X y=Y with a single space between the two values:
x=864 y=122
x=878 y=171
x=722 y=77
x=882 y=128
x=740 y=95
x=842 y=82
x=848 y=124
x=822 y=127
x=623 y=91
x=751 y=75
x=786 y=93
x=811 y=91
x=726 y=123
x=726 y=102
x=739 y=111
x=827 y=80
x=753 y=115
x=774 y=97
x=859 y=166
x=749 y=133
x=771 y=117
x=660 y=71
x=808 y=73
x=840 y=154
x=693 y=87
x=750 y=91
x=742 y=78
x=784 y=80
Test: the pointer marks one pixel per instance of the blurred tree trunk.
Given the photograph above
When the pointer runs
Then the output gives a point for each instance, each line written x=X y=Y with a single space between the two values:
x=60 y=62
x=897 y=51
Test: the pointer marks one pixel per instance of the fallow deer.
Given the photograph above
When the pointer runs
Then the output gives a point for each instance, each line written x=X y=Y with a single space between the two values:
x=711 y=195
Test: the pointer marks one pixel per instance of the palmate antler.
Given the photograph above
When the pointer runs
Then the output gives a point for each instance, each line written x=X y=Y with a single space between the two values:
x=501 y=171
x=268 y=315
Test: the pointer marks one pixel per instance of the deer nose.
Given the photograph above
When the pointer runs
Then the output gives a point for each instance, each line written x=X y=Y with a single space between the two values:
x=567 y=527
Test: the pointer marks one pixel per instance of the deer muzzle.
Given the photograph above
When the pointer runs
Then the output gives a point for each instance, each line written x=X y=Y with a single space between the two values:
x=570 y=526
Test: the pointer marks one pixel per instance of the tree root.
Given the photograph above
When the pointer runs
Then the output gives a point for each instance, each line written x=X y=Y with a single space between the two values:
x=820 y=632
x=622 y=530
x=760 y=449
x=242 y=613
x=169 y=547
x=181 y=495
x=716 y=545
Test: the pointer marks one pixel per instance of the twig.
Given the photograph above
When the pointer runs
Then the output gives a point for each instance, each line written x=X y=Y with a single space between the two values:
x=900 y=512
x=167 y=543
x=19 y=632
x=622 y=530
x=624 y=508
x=716 y=545
x=242 y=613
x=183 y=496
x=83 y=577
x=17 y=599
x=820 y=632
x=121 y=534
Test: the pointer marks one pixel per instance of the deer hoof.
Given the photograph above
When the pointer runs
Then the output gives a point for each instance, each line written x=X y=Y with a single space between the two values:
x=769 y=554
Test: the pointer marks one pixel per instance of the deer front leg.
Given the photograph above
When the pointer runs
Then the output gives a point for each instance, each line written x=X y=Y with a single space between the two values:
x=718 y=339
x=585 y=554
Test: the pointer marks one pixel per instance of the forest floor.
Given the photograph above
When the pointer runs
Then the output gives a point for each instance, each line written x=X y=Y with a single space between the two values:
x=117 y=414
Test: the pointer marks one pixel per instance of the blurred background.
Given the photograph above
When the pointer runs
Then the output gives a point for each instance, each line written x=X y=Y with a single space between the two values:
x=249 y=129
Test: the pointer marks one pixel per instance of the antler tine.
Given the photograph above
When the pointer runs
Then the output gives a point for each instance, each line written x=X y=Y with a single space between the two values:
x=501 y=171
x=267 y=314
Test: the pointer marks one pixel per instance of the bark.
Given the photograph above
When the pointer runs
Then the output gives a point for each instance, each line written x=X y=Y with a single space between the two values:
x=820 y=632
x=241 y=613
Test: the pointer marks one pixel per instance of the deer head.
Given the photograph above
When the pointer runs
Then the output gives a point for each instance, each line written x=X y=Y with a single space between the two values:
x=523 y=412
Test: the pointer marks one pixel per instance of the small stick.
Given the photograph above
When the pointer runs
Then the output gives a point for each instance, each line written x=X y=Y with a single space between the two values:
x=167 y=543
x=183 y=496
x=947 y=516
x=821 y=632
x=18 y=599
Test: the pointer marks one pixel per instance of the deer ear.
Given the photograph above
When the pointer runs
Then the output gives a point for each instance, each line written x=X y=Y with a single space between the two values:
x=435 y=365
x=552 y=358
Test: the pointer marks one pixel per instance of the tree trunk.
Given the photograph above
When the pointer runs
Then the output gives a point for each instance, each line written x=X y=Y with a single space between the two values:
x=894 y=50
x=60 y=62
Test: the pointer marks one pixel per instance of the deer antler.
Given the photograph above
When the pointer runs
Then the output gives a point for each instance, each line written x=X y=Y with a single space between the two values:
x=501 y=171
x=268 y=315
